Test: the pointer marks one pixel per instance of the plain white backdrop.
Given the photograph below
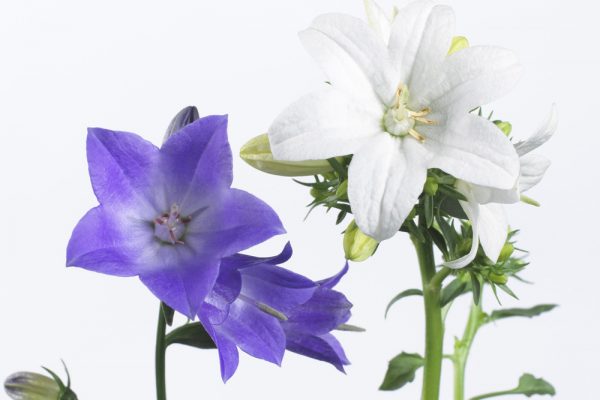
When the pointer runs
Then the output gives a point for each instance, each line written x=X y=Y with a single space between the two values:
x=131 y=65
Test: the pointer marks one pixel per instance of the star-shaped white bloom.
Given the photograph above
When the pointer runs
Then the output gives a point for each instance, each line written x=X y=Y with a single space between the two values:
x=484 y=204
x=400 y=108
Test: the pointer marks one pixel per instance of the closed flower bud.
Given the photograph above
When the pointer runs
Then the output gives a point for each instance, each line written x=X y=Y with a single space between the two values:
x=358 y=246
x=257 y=153
x=342 y=190
x=34 y=386
x=431 y=186
x=458 y=43
x=183 y=118
x=506 y=252
x=500 y=279
x=505 y=127
x=31 y=386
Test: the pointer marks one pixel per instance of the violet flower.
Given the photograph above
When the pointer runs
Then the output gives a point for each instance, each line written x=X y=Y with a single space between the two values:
x=167 y=215
x=263 y=310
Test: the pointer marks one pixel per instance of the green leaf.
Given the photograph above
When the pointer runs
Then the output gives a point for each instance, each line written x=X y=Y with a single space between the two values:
x=339 y=168
x=476 y=287
x=168 y=313
x=450 y=235
x=530 y=385
x=453 y=290
x=452 y=207
x=428 y=206
x=406 y=293
x=192 y=334
x=439 y=241
x=401 y=370
x=522 y=312
x=452 y=192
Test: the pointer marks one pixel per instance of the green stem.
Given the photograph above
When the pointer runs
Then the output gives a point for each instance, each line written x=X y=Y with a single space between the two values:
x=462 y=348
x=434 y=326
x=495 y=394
x=161 y=387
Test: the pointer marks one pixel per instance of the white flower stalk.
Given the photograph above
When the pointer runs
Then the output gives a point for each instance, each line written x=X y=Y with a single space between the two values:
x=400 y=108
x=483 y=205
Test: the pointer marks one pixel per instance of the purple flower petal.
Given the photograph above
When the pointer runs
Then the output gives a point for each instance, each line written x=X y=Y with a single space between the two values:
x=197 y=161
x=183 y=285
x=242 y=221
x=228 y=352
x=329 y=283
x=323 y=348
x=325 y=311
x=276 y=287
x=98 y=244
x=121 y=167
x=254 y=331
x=240 y=261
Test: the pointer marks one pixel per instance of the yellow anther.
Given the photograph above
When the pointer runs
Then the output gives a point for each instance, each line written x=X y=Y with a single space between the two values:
x=416 y=135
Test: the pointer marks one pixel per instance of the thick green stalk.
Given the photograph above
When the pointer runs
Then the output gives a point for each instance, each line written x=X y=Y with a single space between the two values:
x=434 y=326
x=462 y=348
x=161 y=387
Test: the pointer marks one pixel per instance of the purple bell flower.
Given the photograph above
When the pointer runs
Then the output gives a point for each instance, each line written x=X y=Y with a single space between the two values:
x=168 y=215
x=264 y=309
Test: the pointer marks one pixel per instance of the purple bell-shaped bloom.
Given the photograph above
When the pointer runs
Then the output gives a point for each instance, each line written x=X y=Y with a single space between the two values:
x=264 y=309
x=168 y=215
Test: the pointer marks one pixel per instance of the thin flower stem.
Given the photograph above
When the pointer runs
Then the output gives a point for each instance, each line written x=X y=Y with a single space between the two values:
x=495 y=394
x=434 y=326
x=462 y=348
x=161 y=387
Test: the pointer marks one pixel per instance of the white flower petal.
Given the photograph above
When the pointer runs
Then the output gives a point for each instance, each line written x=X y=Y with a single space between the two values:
x=489 y=224
x=493 y=229
x=541 y=136
x=323 y=124
x=473 y=149
x=386 y=177
x=471 y=208
x=378 y=20
x=484 y=195
x=420 y=38
x=351 y=54
x=533 y=168
x=473 y=77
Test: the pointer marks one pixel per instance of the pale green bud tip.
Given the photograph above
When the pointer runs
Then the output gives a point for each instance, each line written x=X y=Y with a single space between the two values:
x=358 y=246
x=431 y=186
x=500 y=279
x=505 y=127
x=506 y=252
x=31 y=386
x=529 y=200
x=257 y=153
x=458 y=43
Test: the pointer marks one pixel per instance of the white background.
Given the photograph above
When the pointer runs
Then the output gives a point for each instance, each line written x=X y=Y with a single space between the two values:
x=66 y=65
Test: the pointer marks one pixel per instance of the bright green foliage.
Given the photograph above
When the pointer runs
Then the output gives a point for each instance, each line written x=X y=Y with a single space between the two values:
x=401 y=370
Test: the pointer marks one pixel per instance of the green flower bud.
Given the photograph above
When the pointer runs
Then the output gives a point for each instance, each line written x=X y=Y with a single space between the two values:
x=257 y=153
x=342 y=191
x=505 y=127
x=500 y=279
x=358 y=246
x=506 y=252
x=458 y=43
x=31 y=386
x=431 y=186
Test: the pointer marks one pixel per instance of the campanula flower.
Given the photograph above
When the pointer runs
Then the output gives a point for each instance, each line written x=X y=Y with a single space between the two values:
x=167 y=215
x=400 y=104
x=264 y=309
x=484 y=204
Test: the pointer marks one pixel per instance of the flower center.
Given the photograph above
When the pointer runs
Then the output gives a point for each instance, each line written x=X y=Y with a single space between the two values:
x=170 y=227
x=400 y=121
